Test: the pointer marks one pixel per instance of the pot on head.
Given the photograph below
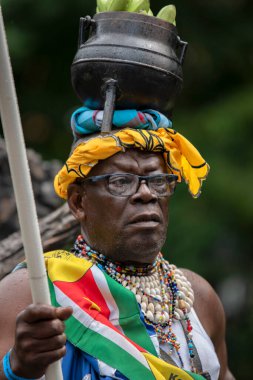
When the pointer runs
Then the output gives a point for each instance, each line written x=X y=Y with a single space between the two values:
x=143 y=54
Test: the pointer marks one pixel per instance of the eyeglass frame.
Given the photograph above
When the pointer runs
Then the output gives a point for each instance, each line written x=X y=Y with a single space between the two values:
x=146 y=178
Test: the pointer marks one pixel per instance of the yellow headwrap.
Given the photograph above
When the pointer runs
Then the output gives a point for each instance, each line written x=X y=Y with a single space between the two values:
x=181 y=157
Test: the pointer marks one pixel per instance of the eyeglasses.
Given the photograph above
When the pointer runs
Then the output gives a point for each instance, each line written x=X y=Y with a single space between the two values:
x=126 y=184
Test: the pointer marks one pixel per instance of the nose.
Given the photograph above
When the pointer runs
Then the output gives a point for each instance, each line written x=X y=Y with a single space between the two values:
x=143 y=194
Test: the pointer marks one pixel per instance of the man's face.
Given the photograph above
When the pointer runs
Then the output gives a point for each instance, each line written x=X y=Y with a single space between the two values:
x=127 y=229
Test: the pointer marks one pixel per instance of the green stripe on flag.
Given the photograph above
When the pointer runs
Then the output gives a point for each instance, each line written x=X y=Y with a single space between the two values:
x=107 y=350
x=104 y=349
x=100 y=347
x=131 y=324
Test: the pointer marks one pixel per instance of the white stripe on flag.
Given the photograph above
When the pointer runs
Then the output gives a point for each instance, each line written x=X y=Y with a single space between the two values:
x=106 y=293
x=99 y=327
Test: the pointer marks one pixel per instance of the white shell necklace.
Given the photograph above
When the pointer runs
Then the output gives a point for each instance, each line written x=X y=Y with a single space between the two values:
x=153 y=296
x=161 y=289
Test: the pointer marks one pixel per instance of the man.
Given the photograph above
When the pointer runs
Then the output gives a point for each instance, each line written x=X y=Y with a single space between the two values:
x=118 y=187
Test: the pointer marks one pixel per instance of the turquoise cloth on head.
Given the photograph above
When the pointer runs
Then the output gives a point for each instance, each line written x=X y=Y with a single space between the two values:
x=85 y=121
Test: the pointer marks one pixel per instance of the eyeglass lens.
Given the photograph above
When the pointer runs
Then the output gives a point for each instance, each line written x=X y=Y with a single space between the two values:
x=128 y=184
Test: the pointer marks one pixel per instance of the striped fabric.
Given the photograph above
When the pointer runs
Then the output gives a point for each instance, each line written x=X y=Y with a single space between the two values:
x=106 y=320
x=85 y=121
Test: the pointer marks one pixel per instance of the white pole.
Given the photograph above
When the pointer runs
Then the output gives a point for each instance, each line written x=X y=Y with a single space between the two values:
x=22 y=185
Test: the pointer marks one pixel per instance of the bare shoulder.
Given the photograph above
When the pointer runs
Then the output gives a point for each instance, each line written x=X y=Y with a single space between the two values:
x=15 y=284
x=211 y=314
x=15 y=296
x=206 y=304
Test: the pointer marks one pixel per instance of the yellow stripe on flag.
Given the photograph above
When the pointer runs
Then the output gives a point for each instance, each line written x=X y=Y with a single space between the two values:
x=64 y=266
x=165 y=371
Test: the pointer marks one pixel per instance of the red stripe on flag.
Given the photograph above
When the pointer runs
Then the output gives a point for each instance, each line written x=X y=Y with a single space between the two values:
x=77 y=292
x=85 y=287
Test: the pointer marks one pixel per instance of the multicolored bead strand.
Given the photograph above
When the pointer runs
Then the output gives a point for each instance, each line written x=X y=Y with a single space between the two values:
x=161 y=289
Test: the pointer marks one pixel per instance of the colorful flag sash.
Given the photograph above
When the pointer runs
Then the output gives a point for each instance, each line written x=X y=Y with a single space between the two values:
x=106 y=320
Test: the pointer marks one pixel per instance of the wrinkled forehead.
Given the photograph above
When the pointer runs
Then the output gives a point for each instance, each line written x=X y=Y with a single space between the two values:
x=131 y=161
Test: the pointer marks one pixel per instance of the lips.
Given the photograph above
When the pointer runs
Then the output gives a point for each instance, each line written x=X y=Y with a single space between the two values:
x=145 y=218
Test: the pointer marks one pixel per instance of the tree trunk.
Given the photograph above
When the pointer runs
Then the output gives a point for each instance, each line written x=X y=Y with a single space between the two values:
x=58 y=230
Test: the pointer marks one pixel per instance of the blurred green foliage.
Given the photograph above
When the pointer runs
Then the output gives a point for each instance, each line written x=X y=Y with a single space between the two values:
x=211 y=235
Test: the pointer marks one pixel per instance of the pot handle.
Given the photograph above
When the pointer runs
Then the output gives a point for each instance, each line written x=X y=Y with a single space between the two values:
x=182 y=50
x=86 y=27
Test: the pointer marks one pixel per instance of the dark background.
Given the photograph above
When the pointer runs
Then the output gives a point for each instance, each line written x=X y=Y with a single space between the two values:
x=211 y=235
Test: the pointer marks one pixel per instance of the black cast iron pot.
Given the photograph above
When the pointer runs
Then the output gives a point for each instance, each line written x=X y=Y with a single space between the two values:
x=142 y=53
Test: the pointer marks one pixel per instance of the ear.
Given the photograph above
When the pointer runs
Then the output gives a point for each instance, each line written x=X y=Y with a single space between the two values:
x=76 y=196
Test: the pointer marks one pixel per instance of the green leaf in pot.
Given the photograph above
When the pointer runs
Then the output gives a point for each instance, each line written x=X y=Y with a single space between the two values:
x=102 y=5
x=168 y=14
x=138 y=6
x=116 y=5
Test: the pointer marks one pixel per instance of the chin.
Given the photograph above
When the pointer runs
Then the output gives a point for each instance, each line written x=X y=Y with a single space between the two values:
x=143 y=251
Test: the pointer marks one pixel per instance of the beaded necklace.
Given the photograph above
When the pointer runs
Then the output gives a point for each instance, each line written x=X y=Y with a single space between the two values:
x=161 y=290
